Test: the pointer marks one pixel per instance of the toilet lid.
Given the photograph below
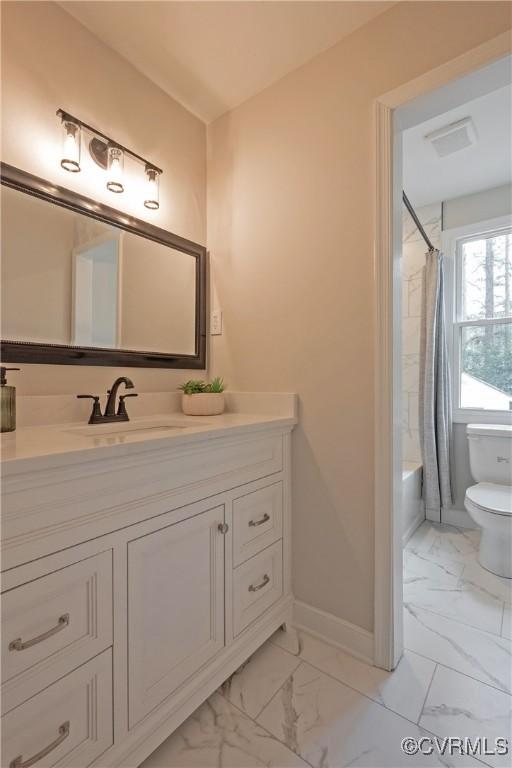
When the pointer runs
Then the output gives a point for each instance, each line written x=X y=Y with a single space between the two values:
x=491 y=497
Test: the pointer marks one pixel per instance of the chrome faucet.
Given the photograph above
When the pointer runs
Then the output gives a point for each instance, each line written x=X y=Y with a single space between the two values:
x=110 y=414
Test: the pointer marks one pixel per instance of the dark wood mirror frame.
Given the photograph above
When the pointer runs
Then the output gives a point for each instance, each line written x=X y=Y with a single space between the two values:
x=32 y=352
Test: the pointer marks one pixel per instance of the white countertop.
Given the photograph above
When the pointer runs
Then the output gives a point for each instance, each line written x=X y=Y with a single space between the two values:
x=50 y=446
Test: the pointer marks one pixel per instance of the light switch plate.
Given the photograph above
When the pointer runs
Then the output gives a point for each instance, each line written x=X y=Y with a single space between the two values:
x=216 y=323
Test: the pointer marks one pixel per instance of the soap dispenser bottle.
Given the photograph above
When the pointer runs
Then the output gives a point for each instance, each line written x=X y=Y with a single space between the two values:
x=7 y=402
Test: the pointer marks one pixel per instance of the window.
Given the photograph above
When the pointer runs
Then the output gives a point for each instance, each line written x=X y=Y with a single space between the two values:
x=482 y=342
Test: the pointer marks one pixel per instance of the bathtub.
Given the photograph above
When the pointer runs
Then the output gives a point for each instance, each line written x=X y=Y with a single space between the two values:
x=413 y=509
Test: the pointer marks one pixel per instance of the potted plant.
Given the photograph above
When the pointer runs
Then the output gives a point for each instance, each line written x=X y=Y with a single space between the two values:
x=201 y=398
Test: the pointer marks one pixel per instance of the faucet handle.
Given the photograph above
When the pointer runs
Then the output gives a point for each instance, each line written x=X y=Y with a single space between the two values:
x=121 y=411
x=96 y=410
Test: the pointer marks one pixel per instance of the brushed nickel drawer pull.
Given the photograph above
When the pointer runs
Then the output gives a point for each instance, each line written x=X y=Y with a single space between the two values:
x=20 y=645
x=264 y=519
x=264 y=583
x=63 y=734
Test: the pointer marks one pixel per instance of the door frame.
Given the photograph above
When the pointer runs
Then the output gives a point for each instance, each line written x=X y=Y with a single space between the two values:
x=388 y=629
x=77 y=251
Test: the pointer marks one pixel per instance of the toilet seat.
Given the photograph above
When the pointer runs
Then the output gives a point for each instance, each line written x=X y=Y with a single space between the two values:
x=490 y=497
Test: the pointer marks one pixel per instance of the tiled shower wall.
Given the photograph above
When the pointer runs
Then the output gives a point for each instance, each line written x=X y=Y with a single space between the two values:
x=413 y=261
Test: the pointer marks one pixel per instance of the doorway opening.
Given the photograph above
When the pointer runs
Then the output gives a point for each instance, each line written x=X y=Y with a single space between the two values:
x=432 y=532
x=456 y=379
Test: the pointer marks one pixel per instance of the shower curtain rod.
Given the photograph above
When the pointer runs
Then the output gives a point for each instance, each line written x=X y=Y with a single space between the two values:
x=417 y=221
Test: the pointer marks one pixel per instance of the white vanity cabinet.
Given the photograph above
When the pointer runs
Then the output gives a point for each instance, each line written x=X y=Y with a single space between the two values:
x=134 y=584
x=175 y=607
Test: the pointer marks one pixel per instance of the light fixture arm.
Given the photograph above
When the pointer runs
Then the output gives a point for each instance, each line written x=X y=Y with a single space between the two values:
x=66 y=116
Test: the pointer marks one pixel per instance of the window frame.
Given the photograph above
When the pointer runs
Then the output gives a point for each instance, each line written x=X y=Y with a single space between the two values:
x=452 y=242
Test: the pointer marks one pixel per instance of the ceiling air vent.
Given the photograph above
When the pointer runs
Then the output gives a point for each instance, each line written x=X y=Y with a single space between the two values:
x=453 y=137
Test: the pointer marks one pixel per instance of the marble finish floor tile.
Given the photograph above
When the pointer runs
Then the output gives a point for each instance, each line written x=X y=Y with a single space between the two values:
x=332 y=726
x=442 y=574
x=481 y=655
x=444 y=542
x=419 y=567
x=486 y=583
x=506 y=627
x=218 y=735
x=469 y=606
x=254 y=684
x=403 y=691
x=460 y=706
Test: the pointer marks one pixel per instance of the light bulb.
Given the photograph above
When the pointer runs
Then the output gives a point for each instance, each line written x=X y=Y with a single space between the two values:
x=115 y=169
x=70 y=146
x=151 y=195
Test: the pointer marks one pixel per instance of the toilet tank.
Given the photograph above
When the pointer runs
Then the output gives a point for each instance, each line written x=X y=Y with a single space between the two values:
x=490 y=453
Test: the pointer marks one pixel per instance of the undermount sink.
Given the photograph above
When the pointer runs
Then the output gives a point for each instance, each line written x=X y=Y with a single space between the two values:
x=128 y=428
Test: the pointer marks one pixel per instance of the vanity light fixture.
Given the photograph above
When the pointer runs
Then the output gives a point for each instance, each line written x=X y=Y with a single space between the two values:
x=151 y=197
x=109 y=155
x=70 y=144
x=115 y=165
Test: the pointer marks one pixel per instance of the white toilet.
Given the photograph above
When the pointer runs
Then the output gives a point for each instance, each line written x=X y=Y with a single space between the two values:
x=489 y=502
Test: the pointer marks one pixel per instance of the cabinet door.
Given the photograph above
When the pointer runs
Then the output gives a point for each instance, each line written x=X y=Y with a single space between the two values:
x=175 y=607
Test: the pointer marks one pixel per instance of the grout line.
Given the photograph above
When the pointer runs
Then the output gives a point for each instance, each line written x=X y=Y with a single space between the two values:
x=436 y=663
x=437 y=667
x=276 y=738
x=474 y=679
x=462 y=574
x=455 y=619
x=262 y=727
x=351 y=687
x=274 y=695
x=436 y=735
x=259 y=725
x=459 y=623
x=305 y=662
x=299 y=662
x=428 y=691
x=453 y=669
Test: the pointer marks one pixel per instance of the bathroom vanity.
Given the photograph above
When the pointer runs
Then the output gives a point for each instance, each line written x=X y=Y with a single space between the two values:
x=143 y=560
x=142 y=564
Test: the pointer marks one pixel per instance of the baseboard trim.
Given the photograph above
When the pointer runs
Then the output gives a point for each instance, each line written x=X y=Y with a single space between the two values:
x=457 y=517
x=349 y=637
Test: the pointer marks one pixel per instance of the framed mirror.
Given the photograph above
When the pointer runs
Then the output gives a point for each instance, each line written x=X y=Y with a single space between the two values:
x=85 y=284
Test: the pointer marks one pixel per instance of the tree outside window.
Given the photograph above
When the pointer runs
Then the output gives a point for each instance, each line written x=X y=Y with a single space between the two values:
x=485 y=321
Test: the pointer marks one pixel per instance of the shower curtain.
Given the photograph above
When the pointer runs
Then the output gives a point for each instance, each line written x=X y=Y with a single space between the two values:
x=435 y=392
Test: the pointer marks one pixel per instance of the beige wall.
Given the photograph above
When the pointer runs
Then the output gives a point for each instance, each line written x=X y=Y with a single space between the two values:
x=290 y=229
x=49 y=61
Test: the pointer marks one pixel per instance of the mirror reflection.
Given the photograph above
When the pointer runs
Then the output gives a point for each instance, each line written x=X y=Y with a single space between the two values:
x=70 y=279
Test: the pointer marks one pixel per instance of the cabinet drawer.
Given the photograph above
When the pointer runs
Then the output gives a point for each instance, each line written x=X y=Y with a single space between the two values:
x=257 y=521
x=257 y=584
x=67 y=724
x=53 y=624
